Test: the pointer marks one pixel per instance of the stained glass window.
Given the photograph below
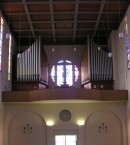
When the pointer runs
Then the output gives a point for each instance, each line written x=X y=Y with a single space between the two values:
x=127 y=42
x=64 y=73
x=1 y=38
x=9 y=58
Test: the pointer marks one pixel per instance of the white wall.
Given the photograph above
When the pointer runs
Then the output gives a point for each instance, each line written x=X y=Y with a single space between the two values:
x=93 y=113
x=5 y=84
x=121 y=73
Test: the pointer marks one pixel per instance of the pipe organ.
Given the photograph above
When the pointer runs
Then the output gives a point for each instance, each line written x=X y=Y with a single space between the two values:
x=29 y=63
x=100 y=64
x=96 y=67
x=31 y=68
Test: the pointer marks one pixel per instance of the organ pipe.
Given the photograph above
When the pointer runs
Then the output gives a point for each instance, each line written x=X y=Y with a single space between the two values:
x=100 y=63
x=39 y=58
x=29 y=63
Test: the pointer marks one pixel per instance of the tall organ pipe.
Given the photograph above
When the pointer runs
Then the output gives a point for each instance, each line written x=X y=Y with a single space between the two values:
x=29 y=63
x=100 y=63
x=39 y=58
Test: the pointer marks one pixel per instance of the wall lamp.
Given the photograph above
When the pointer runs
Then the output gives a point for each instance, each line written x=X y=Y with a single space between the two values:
x=49 y=122
x=81 y=122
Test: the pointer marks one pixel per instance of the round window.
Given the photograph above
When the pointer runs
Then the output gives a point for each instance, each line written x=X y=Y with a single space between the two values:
x=64 y=73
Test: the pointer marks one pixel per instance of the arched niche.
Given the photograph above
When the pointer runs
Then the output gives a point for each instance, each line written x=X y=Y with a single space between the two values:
x=103 y=128
x=19 y=134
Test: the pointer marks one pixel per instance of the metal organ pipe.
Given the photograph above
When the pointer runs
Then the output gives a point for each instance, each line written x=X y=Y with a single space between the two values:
x=100 y=63
x=18 y=67
x=29 y=63
x=27 y=53
x=36 y=59
x=26 y=65
x=39 y=58
x=31 y=69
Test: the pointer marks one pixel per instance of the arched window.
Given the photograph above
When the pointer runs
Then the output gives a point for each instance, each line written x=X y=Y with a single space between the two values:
x=9 y=57
x=64 y=73
x=1 y=38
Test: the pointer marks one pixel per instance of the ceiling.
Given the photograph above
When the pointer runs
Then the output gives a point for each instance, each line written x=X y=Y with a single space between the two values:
x=63 y=21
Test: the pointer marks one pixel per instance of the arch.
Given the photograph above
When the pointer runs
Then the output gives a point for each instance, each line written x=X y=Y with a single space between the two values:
x=105 y=127
x=16 y=134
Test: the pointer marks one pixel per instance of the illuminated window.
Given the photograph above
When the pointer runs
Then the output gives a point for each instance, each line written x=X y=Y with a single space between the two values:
x=1 y=39
x=65 y=139
x=64 y=73
x=127 y=45
x=9 y=58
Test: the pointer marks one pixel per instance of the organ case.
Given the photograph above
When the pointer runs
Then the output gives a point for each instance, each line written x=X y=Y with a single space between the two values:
x=96 y=68
x=32 y=68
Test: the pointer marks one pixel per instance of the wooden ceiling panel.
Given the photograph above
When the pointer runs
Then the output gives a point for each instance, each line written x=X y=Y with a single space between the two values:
x=60 y=40
x=111 y=17
x=38 y=1
x=13 y=8
x=39 y=7
x=18 y=26
x=89 y=6
x=87 y=17
x=84 y=32
x=80 y=40
x=64 y=25
x=114 y=7
x=42 y=17
x=85 y=25
x=64 y=7
x=23 y=33
x=7 y=1
x=64 y=33
x=44 y=33
x=42 y=26
x=108 y=25
x=18 y=18
x=64 y=16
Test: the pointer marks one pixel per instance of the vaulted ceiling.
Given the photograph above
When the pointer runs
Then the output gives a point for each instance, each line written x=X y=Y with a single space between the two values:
x=63 y=21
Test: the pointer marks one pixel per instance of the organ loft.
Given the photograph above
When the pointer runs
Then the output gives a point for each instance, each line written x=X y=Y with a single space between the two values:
x=31 y=70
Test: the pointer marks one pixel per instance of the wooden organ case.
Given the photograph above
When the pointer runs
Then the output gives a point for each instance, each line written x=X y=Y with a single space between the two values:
x=30 y=69
x=96 y=68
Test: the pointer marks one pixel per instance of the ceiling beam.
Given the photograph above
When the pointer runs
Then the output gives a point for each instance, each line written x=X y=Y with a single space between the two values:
x=65 y=21
x=61 y=36
x=99 y=17
x=52 y=20
x=60 y=1
x=67 y=12
x=75 y=19
x=58 y=29
x=29 y=18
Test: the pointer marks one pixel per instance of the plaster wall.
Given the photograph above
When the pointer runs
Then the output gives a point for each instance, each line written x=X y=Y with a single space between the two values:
x=38 y=114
